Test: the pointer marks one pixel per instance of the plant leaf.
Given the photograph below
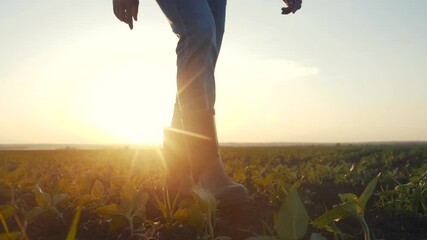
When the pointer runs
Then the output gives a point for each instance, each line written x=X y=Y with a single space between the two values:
x=262 y=238
x=108 y=210
x=37 y=212
x=7 y=210
x=116 y=218
x=5 y=189
x=98 y=189
x=351 y=207
x=57 y=198
x=128 y=198
x=205 y=199
x=16 y=175
x=43 y=199
x=118 y=222
x=364 y=197
x=292 y=219
x=192 y=216
x=140 y=214
x=141 y=202
x=345 y=197
x=85 y=199
x=10 y=236
x=325 y=220
x=317 y=236
x=74 y=225
x=120 y=180
x=4 y=224
x=223 y=238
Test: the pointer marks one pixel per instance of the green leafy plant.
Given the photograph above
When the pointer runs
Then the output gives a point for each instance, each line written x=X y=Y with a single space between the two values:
x=94 y=199
x=96 y=181
x=47 y=205
x=406 y=198
x=13 y=182
x=130 y=212
x=351 y=206
x=291 y=221
x=201 y=214
x=167 y=206
x=7 y=211
x=206 y=202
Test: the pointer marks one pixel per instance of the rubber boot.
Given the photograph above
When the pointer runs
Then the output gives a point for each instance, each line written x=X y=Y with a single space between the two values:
x=205 y=160
x=178 y=174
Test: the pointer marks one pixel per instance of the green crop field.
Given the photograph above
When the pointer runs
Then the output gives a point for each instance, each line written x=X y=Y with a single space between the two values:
x=300 y=192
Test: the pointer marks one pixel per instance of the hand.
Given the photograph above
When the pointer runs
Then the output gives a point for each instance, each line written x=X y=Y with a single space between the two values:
x=125 y=10
x=293 y=6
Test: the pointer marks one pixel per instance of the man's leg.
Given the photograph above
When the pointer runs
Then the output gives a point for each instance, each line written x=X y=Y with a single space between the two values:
x=218 y=8
x=180 y=20
x=194 y=21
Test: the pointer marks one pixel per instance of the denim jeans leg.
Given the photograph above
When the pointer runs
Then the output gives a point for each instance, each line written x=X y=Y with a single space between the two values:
x=194 y=22
x=218 y=8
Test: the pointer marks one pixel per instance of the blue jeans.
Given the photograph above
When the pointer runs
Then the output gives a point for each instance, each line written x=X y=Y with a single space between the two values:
x=199 y=25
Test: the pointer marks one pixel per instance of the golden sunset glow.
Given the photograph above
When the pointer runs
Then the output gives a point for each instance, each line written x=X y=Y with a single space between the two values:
x=86 y=78
x=125 y=110
x=130 y=103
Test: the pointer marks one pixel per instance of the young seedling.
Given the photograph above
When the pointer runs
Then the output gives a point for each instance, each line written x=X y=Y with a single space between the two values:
x=291 y=221
x=167 y=206
x=351 y=206
x=130 y=211
x=206 y=201
x=6 y=211
x=201 y=214
x=46 y=205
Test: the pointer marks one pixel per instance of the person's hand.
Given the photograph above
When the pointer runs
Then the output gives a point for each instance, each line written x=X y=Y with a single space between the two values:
x=125 y=10
x=293 y=6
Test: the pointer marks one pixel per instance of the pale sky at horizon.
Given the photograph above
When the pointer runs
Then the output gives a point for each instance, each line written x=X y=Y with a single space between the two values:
x=340 y=71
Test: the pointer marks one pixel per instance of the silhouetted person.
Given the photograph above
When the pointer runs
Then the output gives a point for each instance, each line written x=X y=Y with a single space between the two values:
x=191 y=144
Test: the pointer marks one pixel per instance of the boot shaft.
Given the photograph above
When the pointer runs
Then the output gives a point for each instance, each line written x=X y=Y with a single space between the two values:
x=175 y=152
x=202 y=142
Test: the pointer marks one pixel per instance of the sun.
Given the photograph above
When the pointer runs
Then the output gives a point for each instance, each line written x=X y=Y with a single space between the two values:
x=121 y=106
x=121 y=90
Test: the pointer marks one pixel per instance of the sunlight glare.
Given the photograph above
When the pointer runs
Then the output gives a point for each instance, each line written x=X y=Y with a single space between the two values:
x=125 y=107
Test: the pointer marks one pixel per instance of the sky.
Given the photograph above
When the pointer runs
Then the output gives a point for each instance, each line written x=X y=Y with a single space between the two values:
x=336 y=71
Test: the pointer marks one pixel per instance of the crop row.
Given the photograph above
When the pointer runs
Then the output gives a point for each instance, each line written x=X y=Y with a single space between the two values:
x=120 y=193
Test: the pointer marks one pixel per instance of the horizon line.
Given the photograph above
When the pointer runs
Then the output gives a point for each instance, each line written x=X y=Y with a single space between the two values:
x=58 y=146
